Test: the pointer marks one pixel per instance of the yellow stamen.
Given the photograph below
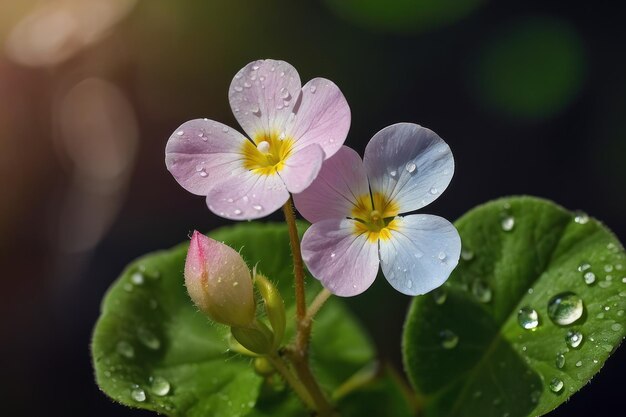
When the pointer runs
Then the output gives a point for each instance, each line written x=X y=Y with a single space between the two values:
x=268 y=153
x=377 y=219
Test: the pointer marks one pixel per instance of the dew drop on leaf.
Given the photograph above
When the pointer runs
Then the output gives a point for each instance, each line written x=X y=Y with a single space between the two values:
x=138 y=394
x=573 y=339
x=125 y=349
x=508 y=223
x=589 y=278
x=449 y=339
x=159 y=386
x=467 y=255
x=580 y=217
x=565 y=308
x=481 y=291
x=528 y=318
x=440 y=295
x=148 y=339
x=560 y=361
x=556 y=385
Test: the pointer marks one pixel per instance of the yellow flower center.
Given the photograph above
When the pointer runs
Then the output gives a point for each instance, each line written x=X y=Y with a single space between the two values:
x=375 y=216
x=268 y=153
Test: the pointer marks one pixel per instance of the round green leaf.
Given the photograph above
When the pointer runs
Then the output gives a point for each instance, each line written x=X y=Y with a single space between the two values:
x=466 y=352
x=153 y=349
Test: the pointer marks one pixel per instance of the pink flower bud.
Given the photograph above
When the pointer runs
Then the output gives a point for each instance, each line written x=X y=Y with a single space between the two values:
x=219 y=281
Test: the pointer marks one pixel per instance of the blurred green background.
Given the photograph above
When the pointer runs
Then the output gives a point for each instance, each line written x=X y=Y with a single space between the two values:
x=531 y=97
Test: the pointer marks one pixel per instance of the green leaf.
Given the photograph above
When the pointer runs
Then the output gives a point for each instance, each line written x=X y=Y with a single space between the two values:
x=469 y=356
x=150 y=332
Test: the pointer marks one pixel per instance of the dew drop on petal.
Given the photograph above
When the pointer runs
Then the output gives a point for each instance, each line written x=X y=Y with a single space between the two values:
x=528 y=318
x=203 y=174
x=159 y=386
x=508 y=223
x=238 y=88
x=573 y=338
x=284 y=93
x=257 y=207
x=556 y=385
x=442 y=255
x=312 y=89
x=449 y=339
x=410 y=167
x=332 y=255
x=237 y=212
x=433 y=190
x=180 y=133
x=565 y=308
x=225 y=129
x=393 y=173
x=263 y=146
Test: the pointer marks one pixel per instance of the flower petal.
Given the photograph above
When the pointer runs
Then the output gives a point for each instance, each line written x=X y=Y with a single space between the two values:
x=345 y=262
x=408 y=164
x=421 y=253
x=322 y=117
x=201 y=152
x=262 y=96
x=245 y=196
x=336 y=190
x=302 y=167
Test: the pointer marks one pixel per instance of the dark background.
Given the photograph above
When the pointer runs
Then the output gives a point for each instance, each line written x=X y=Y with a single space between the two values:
x=530 y=96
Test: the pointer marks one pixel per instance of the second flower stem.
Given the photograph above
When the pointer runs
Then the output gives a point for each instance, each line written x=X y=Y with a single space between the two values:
x=298 y=265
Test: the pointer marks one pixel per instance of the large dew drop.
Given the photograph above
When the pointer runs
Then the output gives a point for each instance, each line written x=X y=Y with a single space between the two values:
x=565 y=308
x=528 y=318
x=159 y=386
x=508 y=223
x=449 y=339
x=138 y=394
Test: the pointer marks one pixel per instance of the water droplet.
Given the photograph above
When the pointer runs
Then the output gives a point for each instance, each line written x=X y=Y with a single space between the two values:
x=508 y=223
x=247 y=84
x=159 y=386
x=589 y=278
x=433 y=190
x=393 y=173
x=616 y=327
x=410 y=167
x=449 y=340
x=556 y=385
x=467 y=255
x=608 y=268
x=441 y=256
x=138 y=395
x=481 y=291
x=257 y=207
x=148 y=339
x=263 y=146
x=238 y=88
x=573 y=339
x=583 y=267
x=565 y=308
x=313 y=89
x=225 y=129
x=180 y=133
x=560 y=361
x=284 y=93
x=604 y=284
x=440 y=295
x=237 y=212
x=579 y=364
x=528 y=318
x=580 y=217
x=125 y=349
x=203 y=174
x=137 y=278
x=535 y=396
x=256 y=110
x=409 y=283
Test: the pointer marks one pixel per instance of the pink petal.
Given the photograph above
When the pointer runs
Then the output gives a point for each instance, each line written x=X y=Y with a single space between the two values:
x=262 y=96
x=201 y=152
x=246 y=195
x=345 y=262
x=408 y=164
x=302 y=167
x=421 y=253
x=335 y=191
x=322 y=117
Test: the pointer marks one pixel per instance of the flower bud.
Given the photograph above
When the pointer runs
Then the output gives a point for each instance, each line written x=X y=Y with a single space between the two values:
x=219 y=282
x=257 y=337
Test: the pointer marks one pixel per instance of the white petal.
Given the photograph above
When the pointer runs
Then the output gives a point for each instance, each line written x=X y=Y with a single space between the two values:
x=408 y=164
x=421 y=253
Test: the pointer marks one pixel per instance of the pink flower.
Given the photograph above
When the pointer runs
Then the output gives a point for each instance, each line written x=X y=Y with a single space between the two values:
x=219 y=281
x=354 y=206
x=292 y=129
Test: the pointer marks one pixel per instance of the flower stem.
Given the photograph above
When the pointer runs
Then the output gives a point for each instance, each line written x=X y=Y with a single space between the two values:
x=300 y=390
x=298 y=265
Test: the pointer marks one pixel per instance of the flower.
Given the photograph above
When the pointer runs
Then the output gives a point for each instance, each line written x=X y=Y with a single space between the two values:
x=354 y=206
x=292 y=129
x=219 y=282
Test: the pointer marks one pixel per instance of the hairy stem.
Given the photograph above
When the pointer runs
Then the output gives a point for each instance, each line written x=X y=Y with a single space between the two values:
x=300 y=390
x=298 y=265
